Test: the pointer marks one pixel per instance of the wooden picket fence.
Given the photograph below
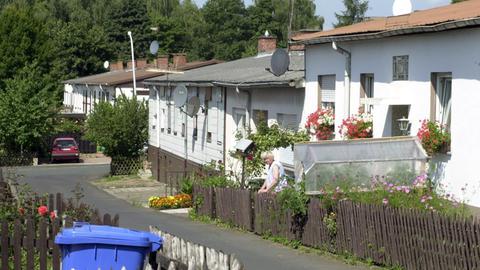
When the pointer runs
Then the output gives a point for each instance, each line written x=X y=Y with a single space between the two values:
x=29 y=244
x=411 y=239
x=203 y=201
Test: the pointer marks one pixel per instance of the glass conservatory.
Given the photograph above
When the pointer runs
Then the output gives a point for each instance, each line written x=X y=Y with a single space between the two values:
x=356 y=162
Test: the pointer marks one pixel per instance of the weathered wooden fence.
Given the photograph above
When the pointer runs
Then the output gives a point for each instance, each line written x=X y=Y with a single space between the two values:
x=29 y=243
x=234 y=206
x=178 y=253
x=203 y=201
x=409 y=238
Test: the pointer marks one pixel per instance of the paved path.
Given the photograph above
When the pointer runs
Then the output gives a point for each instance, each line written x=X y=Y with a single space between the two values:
x=253 y=251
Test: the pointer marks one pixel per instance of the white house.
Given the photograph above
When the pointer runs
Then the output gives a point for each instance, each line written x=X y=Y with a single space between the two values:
x=234 y=96
x=81 y=94
x=423 y=65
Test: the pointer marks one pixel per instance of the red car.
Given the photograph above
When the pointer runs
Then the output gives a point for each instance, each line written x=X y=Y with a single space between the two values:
x=65 y=149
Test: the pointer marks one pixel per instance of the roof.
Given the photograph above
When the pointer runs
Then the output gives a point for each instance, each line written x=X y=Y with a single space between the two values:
x=452 y=16
x=249 y=71
x=119 y=77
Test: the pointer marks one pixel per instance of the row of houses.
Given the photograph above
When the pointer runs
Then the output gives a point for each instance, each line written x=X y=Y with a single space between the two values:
x=422 y=65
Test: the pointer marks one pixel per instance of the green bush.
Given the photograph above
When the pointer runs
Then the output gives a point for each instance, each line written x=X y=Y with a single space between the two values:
x=217 y=181
x=187 y=186
x=122 y=128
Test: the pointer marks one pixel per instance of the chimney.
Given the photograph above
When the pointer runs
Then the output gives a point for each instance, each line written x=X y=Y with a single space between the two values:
x=179 y=59
x=116 y=66
x=161 y=62
x=130 y=65
x=141 y=63
x=267 y=43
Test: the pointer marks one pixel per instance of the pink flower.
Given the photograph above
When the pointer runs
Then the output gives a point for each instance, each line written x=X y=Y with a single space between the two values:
x=385 y=201
x=53 y=215
x=42 y=210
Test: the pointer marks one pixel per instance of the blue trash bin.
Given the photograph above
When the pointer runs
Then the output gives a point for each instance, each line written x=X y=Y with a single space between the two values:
x=87 y=247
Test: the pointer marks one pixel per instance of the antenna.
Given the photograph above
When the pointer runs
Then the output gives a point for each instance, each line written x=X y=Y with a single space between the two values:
x=402 y=7
x=193 y=105
x=280 y=62
x=106 y=64
x=154 y=47
x=180 y=94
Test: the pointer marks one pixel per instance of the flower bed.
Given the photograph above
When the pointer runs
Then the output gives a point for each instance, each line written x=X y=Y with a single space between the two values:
x=321 y=124
x=170 y=202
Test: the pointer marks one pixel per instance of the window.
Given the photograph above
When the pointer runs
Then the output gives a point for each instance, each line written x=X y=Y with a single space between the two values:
x=367 y=83
x=209 y=137
x=239 y=116
x=287 y=121
x=443 y=100
x=400 y=68
x=326 y=85
x=260 y=117
x=162 y=121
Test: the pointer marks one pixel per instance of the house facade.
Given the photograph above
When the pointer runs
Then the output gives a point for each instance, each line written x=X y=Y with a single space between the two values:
x=234 y=97
x=423 y=65
x=81 y=94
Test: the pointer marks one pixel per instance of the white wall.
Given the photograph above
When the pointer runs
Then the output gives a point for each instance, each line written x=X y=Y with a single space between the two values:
x=453 y=51
x=74 y=96
x=199 y=151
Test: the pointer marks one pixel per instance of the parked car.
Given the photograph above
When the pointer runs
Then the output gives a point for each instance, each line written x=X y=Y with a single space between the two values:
x=65 y=149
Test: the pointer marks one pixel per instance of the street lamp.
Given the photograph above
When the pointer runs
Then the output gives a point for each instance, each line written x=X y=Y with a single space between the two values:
x=133 y=64
x=403 y=125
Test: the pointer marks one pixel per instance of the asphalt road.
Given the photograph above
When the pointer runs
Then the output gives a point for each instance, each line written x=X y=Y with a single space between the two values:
x=253 y=251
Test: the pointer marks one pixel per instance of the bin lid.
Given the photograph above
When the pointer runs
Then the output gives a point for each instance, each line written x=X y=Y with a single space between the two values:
x=84 y=233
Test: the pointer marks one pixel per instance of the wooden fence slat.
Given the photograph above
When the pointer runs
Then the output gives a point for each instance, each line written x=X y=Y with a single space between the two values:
x=56 y=249
x=29 y=249
x=17 y=245
x=5 y=245
x=42 y=244
x=107 y=220
x=59 y=204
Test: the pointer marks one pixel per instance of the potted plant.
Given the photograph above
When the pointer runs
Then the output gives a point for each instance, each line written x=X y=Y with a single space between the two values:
x=434 y=137
x=321 y=124
x=357 y=126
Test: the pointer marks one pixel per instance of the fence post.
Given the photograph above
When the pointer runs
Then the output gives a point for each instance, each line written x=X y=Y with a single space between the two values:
x=17 y=245
x=56 y=250
x=59 y=201
x=42 y=245
x=4 y=242
x=107 y=220
x=29 y=244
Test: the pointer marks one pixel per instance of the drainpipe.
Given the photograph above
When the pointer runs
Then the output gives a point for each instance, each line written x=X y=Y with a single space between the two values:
x=348 y=73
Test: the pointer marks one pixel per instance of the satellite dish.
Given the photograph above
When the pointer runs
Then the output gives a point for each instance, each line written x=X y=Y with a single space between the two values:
x=106 y=64
x=280 y=62
x=402 y=7
x=193 y=105
x=154 y=47
x=180 y=95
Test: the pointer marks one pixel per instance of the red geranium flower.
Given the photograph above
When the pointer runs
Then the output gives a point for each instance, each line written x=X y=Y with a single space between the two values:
x=53 y=215
x=42 y=210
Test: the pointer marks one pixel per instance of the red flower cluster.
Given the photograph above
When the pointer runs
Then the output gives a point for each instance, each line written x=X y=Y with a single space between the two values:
x=42 y=211
x=357 y=126
x=321 y=124
x=433 y=136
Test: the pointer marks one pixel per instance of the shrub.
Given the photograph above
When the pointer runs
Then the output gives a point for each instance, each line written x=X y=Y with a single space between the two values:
x=434 y=137
x=217 y=181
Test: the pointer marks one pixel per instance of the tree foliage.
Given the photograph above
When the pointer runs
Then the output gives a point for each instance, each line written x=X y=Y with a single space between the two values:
x=457 y=1
x=121 y=128
x=354 y=12
x=27 y=110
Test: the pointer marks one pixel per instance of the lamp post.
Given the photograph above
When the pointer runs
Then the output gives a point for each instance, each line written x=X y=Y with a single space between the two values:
x=133 y=64
x=403 y=125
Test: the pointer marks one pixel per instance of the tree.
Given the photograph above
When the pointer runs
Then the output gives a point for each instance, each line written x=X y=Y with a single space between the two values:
x=227 y=30
x=457 y=1
x=274 y=16
x=354 y=13
x=27 y=111
x=121 y=128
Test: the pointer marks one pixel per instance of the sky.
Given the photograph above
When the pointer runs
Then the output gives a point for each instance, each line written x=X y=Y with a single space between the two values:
x=327 y=8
